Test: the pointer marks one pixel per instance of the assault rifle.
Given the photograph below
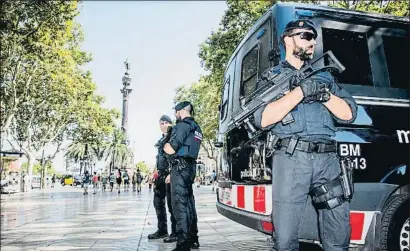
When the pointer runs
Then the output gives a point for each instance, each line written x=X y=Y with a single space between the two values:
x=272 y=84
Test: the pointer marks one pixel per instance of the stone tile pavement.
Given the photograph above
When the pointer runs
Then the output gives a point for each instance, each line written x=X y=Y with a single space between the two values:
x=64 y=219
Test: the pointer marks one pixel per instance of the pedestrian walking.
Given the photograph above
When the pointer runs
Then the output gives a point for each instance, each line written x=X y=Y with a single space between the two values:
x=104 y=182
x=126 y=181
x=99 y=181
x=95 y=182
x=139 y=181
x=112 y=181
x=119 y=180
x=86 y=181
x=213 y=180
x=134 y=181
x=150 y=181
x=53 y=180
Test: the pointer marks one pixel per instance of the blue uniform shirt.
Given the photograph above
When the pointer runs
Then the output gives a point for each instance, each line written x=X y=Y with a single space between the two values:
x=313 y=121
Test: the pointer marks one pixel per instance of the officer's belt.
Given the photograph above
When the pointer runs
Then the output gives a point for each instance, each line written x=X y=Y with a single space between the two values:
x=307 y=146
x=184 y=160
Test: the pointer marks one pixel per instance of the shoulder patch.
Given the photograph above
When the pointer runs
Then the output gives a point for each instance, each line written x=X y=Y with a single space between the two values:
x=197 y=136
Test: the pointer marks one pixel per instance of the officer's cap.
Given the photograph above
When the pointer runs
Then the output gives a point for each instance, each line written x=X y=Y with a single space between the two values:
x=165 y=118
x=300 y=24
x=182 y=105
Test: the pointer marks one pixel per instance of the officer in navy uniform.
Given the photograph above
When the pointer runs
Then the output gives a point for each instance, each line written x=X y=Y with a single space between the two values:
x=161 y=189
x=306 y=161
x=184 y=146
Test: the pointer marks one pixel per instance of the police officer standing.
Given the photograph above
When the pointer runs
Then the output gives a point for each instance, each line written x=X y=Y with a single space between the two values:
x=306 y=162
x=160 y=190
x=184 y=146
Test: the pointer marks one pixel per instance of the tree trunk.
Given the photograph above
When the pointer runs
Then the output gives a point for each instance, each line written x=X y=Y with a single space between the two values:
x=31 y=159
x=43 y=177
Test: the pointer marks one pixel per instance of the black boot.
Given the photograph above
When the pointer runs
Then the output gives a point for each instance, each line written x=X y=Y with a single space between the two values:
x=171 y=238
x=195 y=243
x=182 y=247
x=157 y=235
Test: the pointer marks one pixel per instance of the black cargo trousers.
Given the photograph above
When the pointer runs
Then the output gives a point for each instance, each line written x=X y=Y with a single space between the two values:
x=183 y=203
x=159 y=202
x=293 y=176
x=169 y=204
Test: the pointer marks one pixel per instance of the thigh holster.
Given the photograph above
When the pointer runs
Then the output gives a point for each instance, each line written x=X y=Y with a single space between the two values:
x=329 y=195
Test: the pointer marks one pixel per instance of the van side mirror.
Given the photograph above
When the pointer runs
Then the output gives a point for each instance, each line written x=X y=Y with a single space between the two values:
x=219 y=107
x=218 y=144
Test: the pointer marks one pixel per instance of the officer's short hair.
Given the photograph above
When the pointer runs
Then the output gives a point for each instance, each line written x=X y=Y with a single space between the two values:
x=165 y=118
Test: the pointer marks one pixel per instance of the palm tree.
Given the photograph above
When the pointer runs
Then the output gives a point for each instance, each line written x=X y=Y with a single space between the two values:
x=80 y=151
x=117 y=151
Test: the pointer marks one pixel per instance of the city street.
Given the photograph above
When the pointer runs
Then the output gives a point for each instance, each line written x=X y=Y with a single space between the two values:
x=64 y=219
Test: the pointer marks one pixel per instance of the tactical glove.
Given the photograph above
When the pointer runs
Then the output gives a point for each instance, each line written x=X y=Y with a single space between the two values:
x=321 y=96
x=311 y=87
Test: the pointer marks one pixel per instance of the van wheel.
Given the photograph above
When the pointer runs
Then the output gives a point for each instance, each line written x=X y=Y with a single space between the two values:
x=395 y=229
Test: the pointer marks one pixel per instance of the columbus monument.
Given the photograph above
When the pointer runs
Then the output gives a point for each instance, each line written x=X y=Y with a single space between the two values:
x=126 y=82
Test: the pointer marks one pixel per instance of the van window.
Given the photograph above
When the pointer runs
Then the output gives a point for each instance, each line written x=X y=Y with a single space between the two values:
x=351 y=49
x=263 y=35
x=225 y=95
x=250 y=66
x=396 y=51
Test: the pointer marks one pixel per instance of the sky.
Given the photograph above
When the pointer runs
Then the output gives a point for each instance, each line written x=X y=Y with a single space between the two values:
x=161 y=41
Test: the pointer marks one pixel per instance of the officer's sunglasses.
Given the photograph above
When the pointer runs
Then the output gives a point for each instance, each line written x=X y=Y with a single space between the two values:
x=304 y=35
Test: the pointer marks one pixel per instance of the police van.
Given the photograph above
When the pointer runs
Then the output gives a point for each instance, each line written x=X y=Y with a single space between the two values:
x=374 y=49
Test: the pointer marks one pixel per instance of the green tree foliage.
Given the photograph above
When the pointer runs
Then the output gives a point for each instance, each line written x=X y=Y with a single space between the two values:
x=50 y=169
x=205 y=99
x=396 y=8
x=143 y=167
x=217 y=49
x=46 y=94
x=24 y=24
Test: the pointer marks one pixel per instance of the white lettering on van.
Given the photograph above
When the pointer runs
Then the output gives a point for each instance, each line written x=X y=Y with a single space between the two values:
x=350 y=150
x=403 y=135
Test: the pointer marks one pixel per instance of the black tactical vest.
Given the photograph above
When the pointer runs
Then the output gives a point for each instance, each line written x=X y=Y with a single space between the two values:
x=192 y=143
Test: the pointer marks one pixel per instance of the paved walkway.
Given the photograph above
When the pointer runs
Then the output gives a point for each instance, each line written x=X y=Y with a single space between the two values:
x=65 y=219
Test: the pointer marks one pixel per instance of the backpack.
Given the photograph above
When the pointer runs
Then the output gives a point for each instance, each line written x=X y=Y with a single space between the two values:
x=139 y=178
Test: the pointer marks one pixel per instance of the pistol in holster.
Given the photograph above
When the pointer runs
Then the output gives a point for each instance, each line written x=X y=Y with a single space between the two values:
x=346 y=177
x=271 y=143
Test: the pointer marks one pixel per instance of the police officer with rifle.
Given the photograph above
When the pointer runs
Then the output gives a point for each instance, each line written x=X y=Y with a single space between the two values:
x=305 y=161
x=183 y=147
x=162 y=189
